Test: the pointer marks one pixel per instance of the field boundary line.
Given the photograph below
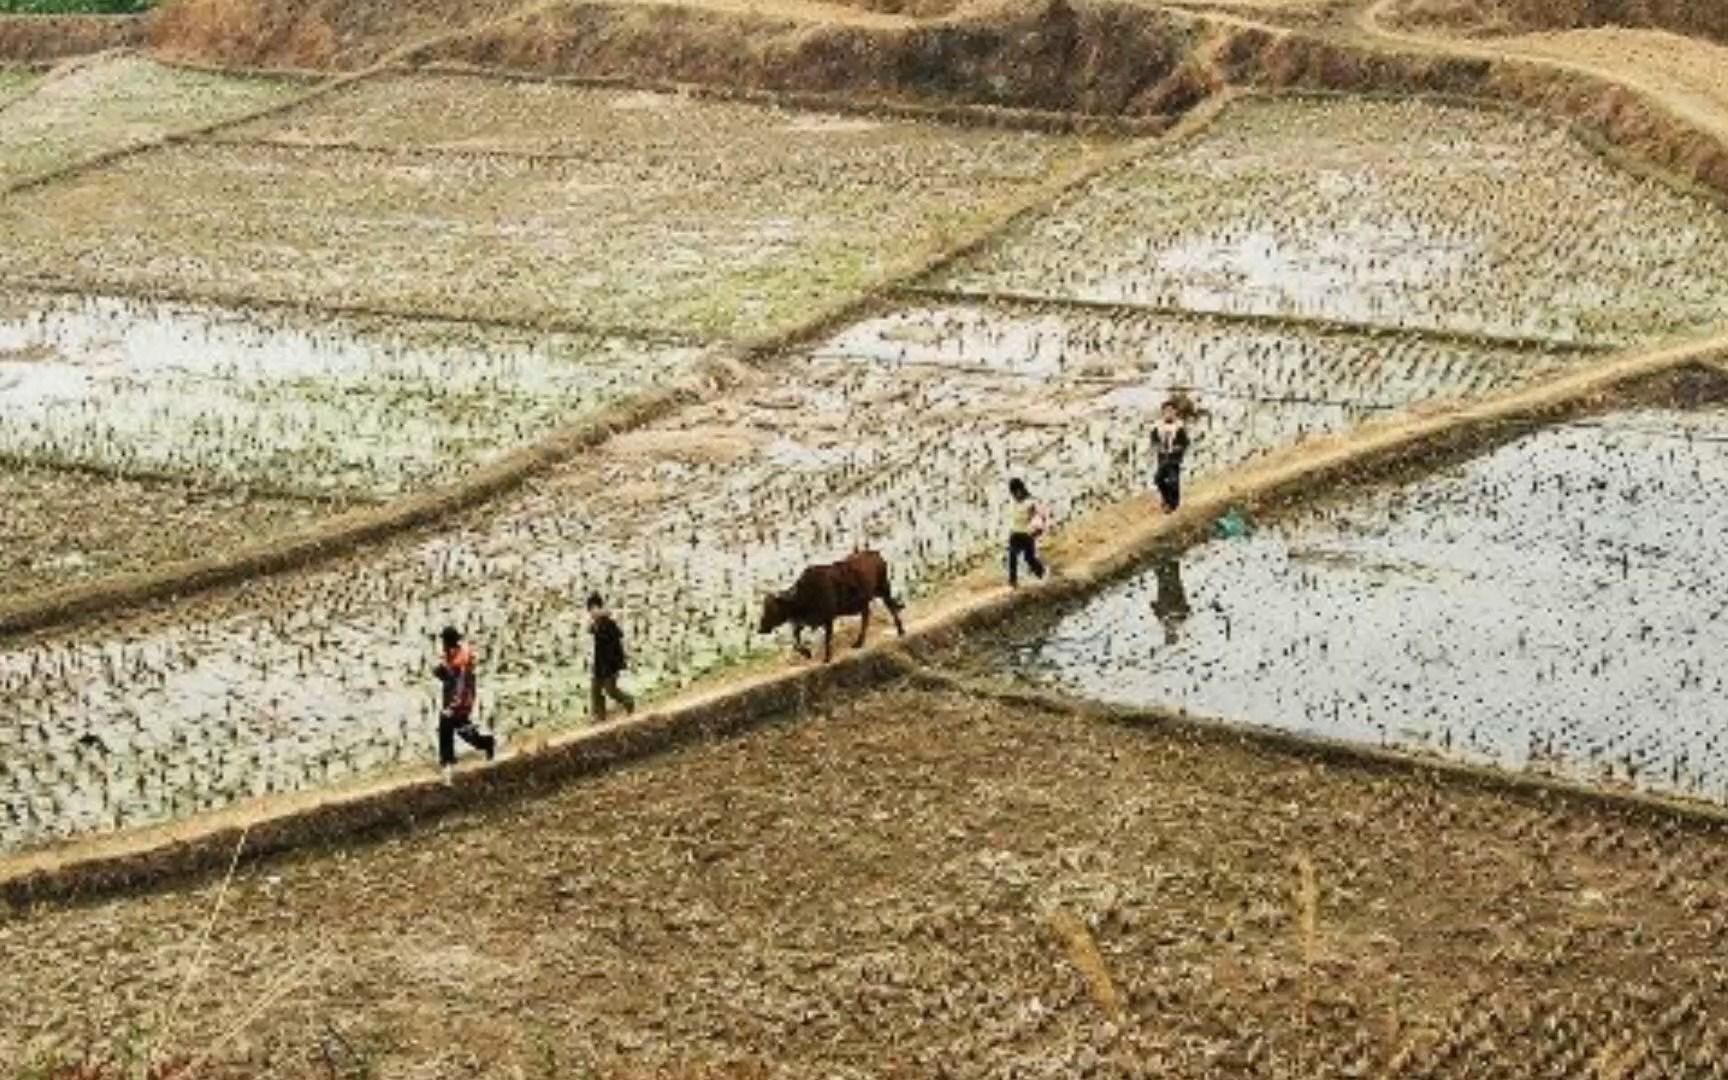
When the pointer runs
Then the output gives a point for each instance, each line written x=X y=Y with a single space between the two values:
x=1210 y=393
x=104 y=158
x=1098 y=550
x=25 y=459
x=355 y=528
x=328 y=84
x=348 y=532
x=960 y=115
x=1217 y=730
x=54 y=72
x=260 y=304
x=1317 y=324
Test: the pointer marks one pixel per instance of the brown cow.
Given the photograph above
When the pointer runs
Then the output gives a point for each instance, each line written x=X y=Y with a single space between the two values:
x=824 y=593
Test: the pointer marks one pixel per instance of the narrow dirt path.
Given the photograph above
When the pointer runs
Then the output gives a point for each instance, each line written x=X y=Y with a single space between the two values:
x=1685 y=76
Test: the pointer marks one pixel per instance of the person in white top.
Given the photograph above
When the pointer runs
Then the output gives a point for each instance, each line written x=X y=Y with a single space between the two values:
x=1170 y=444
x=1026 y=523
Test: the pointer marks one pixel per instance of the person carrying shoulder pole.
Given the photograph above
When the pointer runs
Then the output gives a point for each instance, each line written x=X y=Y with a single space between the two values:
x=608 y=660
x=1170 y=442
x=456 y=717
x=1026 y=524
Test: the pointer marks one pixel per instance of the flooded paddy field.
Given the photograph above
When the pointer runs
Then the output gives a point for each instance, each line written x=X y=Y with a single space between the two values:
x=1395 y=214
x=1555 y=605
x=717 y=221
x=286 y=404
x=885 y=435
x=113 y=102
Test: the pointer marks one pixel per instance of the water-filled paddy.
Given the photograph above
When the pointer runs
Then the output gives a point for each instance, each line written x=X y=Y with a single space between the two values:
x=1557 y=604
x=286 y=404
x=294 y=680
x=1396 y=214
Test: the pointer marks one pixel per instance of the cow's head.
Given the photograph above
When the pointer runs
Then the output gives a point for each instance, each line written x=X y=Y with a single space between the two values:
x=776 y=612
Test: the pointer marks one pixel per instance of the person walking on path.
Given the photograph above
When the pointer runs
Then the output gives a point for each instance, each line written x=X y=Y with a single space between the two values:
x=460 y=688
x=608 y=660
x=1026 y=523
x=1170 y=442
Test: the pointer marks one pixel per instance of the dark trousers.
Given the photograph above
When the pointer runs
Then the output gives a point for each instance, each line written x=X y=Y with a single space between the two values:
x=451 y=726
x=603 y=688
x=1168 y=480
x=1023 y=546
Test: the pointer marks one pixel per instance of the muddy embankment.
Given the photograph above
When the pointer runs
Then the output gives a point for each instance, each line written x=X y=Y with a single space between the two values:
x=1697 y=18
x=1100 y=59
x=36 y=39
x=321 y=34
x=1060 y=56
x=1097 y=59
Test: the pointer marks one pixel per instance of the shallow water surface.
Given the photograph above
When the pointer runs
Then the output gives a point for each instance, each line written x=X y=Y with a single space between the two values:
x=1559 y=604
x=279 y=401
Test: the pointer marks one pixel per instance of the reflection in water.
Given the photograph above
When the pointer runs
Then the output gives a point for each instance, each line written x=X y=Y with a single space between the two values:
x=1555 y=605
x=1171 y=603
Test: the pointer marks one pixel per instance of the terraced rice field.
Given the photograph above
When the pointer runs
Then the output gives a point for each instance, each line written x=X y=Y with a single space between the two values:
x=1394 y=214
x=884 y=435
x=466 y=196
x=115 y=102
x=715 y=221
x=1555 y=605
x=287 y=404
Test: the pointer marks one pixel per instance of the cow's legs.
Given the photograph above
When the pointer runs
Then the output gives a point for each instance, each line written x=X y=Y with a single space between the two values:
x=828 y=641
x=863 y=626
x=798 y=645
x=894 y=607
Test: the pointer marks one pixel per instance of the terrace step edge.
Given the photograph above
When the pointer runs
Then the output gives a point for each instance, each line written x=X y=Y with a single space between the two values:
x=1127 y=532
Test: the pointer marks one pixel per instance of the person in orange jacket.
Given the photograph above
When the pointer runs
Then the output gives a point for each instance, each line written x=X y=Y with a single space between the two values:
x=456 y=716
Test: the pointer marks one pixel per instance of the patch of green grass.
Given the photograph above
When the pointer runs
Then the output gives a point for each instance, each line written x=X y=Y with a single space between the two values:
x=74 y=7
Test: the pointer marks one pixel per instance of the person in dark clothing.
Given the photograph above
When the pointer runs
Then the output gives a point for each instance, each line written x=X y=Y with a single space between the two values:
x=1026 y=524
x=460 y=688
x=608 y=660
x=1170 y=442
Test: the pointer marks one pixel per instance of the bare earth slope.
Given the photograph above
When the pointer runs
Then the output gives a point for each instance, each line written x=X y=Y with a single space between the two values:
x=893 y=889
x=1689 y=73
x=1683 y=78
x=1700 y=18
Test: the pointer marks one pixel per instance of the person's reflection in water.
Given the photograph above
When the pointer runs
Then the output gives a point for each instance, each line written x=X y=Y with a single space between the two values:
x=1171 y=606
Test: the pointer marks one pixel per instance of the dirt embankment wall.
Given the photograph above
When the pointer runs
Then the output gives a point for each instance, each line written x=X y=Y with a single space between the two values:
x=1102 y=59
x=1099 y=59
x=33 y=39
x=330 y=34
x=1698 y=18
x=1090 y=57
